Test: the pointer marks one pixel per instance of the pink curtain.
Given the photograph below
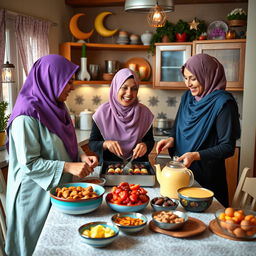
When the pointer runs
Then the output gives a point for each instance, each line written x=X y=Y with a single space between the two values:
x=2 y=36
x=32 y=38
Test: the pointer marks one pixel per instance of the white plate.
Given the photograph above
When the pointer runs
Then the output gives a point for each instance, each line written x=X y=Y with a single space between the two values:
x=217 y=30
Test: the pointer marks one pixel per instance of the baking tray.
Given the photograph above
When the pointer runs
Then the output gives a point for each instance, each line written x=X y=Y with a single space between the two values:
x=147 y=180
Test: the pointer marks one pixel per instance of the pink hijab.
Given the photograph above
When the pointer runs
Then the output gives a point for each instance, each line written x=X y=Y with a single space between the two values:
x=127 y=125
x=208 y=71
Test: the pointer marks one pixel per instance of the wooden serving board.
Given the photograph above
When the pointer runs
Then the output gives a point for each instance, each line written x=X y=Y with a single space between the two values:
x=215 y=228
x=191 y=228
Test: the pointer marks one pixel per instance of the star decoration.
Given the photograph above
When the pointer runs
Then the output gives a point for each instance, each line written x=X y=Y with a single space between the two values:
x=79 y=100
x=161 y=115
x=171 y=102
x=153 y=101
x=96 y=100
x=193 y=24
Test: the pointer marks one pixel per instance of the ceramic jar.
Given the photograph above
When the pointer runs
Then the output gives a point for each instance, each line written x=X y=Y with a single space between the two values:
x=146 y=37
x=83 y=74
x=86 y=120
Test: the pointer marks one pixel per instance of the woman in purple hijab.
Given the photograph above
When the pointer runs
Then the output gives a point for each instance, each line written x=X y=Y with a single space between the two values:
x=43 y=151
x=206 y=125
x=122 y=127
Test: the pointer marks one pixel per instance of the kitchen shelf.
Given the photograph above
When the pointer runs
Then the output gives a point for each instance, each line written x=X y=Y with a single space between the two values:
x=78 y=82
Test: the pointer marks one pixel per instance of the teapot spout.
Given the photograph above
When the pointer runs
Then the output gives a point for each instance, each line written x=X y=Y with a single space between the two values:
x=158 y=173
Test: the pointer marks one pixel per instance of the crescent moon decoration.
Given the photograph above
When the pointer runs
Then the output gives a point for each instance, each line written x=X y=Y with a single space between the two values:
x=99 y=26
x=75 y=31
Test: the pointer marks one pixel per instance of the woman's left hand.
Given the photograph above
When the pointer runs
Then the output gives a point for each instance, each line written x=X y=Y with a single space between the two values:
x=188 y=158
x=140 y=150
x=92 y=161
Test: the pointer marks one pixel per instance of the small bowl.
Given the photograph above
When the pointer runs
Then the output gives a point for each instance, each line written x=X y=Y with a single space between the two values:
x=98 y=242
x=126 y=208
x=79 y=206
x=130 y=229
x=164 y=208
x=95 y=180
x=193 y=202
x=242 y=230
x=170 y=226
x=108 y=76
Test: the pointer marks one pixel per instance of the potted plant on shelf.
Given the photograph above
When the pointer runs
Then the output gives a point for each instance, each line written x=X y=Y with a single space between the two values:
x=163 y=34
x=237 y=18
x=181 y=31
x=198 y=32
x=3 y=121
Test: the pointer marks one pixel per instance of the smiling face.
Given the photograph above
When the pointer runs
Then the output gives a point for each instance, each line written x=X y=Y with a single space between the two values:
x=67 y=89
x=192 y=83
x=127 y=93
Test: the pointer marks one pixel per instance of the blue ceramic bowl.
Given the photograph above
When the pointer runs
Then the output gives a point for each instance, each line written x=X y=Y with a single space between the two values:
x=79 y=206
x=193 y=203
x=170 y=226
x=164 y=208
x=126 y=208
x=98 y=242
x=130 y=229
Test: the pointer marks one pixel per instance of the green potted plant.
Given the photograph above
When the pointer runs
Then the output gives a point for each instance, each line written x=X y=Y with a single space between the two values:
x=181 y=31
x=163 y=34
x=3 y=121
x=237 y=18
x=199 y=33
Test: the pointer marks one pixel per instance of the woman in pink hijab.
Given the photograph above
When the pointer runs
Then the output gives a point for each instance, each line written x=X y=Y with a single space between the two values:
x=122 y=127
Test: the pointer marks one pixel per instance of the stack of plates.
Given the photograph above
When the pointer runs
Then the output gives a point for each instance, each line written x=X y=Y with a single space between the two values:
x=122 y=38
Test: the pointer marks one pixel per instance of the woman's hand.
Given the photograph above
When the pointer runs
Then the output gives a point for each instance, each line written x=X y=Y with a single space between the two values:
x=92 y=161
x=164 y=144
x=189 y=157
x=113 y=146
x=79 y=169
x=140 y=150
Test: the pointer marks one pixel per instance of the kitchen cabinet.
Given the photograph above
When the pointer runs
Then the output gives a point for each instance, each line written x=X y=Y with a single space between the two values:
x=231 y=54
x=168 y=60
x=98 y=53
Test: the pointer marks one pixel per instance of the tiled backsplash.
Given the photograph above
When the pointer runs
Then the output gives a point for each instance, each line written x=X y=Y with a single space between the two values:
x=163 y=103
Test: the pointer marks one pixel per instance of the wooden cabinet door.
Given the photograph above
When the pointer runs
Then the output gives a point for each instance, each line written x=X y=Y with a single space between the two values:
x=167 y=63
x=231 y=54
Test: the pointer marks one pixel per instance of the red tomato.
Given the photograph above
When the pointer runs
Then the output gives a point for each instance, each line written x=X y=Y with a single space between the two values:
x=143 y=191
x=134 y=186
x=143 y=198
x=123 y=195
x=109 y=196
x=117 y=191
x=133 y=198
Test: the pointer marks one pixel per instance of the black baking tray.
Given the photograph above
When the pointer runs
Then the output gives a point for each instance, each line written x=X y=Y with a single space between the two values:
x=115 y=179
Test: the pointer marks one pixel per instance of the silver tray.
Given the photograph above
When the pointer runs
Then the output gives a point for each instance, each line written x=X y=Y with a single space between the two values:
x=146 y=180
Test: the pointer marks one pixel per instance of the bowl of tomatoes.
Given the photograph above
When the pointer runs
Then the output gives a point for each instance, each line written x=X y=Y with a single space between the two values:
x=127 y=198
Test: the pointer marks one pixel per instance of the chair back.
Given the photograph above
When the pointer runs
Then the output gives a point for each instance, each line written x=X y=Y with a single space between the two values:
x=245 y=195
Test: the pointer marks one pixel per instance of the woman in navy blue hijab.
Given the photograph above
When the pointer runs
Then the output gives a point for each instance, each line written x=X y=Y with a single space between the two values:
x=206 y=126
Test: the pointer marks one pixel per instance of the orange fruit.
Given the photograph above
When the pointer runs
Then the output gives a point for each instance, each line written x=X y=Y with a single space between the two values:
x=222 y=216
x=229 y=211
x=239 y=215
x=245 y=225
x=248 y=217
x=238 y=232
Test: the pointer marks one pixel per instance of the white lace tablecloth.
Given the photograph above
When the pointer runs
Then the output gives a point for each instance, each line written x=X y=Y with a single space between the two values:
x=60 y=237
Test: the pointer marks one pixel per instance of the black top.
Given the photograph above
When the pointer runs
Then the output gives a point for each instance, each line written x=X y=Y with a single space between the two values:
x=96 y=145
x=210 y=171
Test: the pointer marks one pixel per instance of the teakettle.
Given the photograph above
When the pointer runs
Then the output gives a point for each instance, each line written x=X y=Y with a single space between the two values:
x=173 y=176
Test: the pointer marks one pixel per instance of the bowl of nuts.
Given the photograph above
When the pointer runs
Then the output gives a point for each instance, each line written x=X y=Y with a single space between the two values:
x=77 y=197
x=164 y=203
x=170 y=220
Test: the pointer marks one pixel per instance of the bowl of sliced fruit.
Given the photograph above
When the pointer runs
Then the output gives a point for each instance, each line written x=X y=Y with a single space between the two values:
x=127 y=198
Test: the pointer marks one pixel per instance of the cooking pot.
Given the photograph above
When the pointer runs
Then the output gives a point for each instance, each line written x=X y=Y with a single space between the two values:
x=86 y=120
x=163 y=123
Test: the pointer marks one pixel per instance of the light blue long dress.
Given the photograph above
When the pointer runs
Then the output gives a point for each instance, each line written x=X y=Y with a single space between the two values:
x=36 y=161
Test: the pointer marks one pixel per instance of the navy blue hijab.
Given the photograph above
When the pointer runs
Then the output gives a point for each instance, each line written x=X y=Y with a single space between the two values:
x=197 y=115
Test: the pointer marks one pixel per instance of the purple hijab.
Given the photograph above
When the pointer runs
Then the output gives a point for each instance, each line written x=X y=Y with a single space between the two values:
x=202 y=64
x=127 y=125
x=38 y=99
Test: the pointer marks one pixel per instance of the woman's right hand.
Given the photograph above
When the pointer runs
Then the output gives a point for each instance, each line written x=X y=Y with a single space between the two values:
x=164 y=144
x=79 y=169
x=113 y=146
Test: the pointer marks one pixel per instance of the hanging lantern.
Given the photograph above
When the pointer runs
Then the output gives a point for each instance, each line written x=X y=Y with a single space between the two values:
x=8 y=72
x=156 y=17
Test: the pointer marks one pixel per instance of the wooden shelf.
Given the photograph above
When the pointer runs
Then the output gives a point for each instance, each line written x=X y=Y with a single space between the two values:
x=77 y=82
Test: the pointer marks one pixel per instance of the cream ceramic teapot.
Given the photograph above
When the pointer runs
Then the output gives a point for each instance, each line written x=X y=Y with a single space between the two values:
x=173 y=176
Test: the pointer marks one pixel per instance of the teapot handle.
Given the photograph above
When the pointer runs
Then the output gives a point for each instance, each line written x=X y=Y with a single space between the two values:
x=191 y=177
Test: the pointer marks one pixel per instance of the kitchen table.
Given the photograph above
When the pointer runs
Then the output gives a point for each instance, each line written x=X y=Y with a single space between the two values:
x=60 y=236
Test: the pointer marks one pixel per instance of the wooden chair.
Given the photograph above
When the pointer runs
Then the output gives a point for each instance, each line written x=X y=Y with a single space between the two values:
x=245 y=195
x=2 y=213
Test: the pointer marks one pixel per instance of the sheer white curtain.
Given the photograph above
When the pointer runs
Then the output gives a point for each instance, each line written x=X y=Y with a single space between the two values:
x=2 y=36
x=32 y=39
